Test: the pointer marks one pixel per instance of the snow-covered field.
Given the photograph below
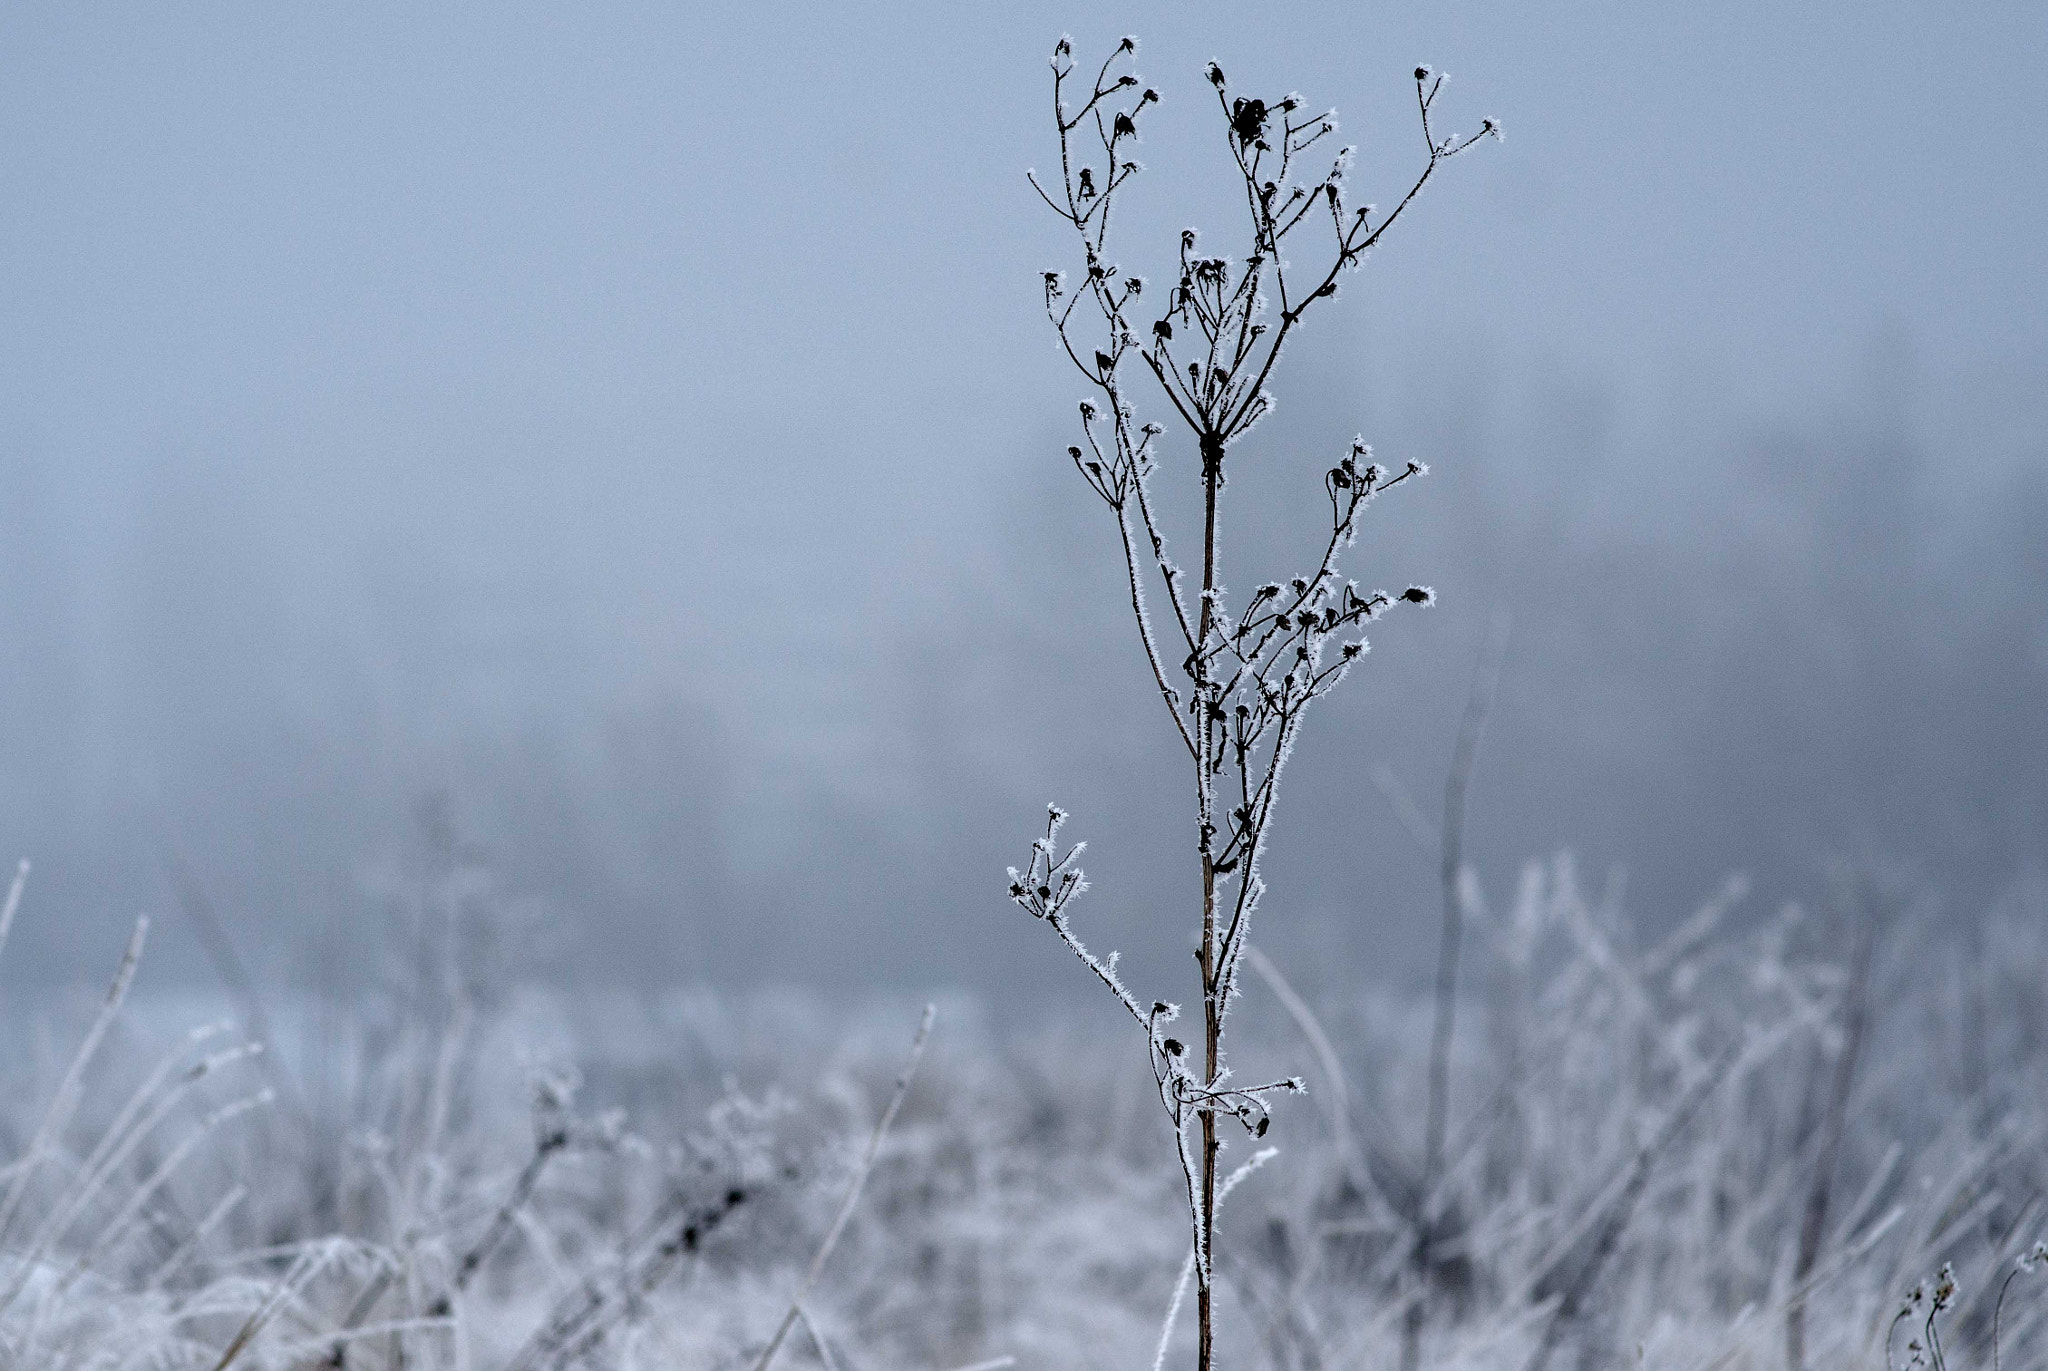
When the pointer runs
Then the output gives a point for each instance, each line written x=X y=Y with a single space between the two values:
x=451 y=1173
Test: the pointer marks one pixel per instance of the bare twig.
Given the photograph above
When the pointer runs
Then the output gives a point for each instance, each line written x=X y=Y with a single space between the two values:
x=853 y=1189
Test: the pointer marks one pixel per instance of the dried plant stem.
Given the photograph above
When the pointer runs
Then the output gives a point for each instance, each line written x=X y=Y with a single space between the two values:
x=825 y=1356
x=1834 y=1124
x=13 y=904
x=1451 y=872
x=307 y=1266
x=1615 y=1217
x=65 y=1101
x=1337 y=1095
x=853 y=1189
x=234 y=976
x=1251 y=670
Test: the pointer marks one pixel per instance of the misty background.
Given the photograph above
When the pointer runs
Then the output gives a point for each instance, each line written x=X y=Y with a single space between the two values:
x=625 y=442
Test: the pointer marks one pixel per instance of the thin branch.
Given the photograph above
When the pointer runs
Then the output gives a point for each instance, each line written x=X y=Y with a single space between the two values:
x=853 y=1189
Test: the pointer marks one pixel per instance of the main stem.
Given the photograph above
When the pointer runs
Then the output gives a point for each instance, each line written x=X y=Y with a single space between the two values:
x=1212 y=1005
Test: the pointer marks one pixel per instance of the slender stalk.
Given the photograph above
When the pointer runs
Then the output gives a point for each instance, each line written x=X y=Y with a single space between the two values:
x=1457 y=784
x=1212 y=1004
x=1813 y=1222
x=860 y=1180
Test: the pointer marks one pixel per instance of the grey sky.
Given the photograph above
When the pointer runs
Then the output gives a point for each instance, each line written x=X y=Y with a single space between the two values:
x=397 y=397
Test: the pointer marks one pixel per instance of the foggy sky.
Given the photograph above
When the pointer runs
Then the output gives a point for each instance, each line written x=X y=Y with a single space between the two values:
x=637 y=426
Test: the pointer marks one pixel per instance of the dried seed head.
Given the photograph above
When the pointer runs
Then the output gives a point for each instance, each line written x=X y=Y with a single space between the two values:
x=1248 y=119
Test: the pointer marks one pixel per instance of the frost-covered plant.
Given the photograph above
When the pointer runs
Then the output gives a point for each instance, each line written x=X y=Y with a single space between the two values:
x=1247 y=670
